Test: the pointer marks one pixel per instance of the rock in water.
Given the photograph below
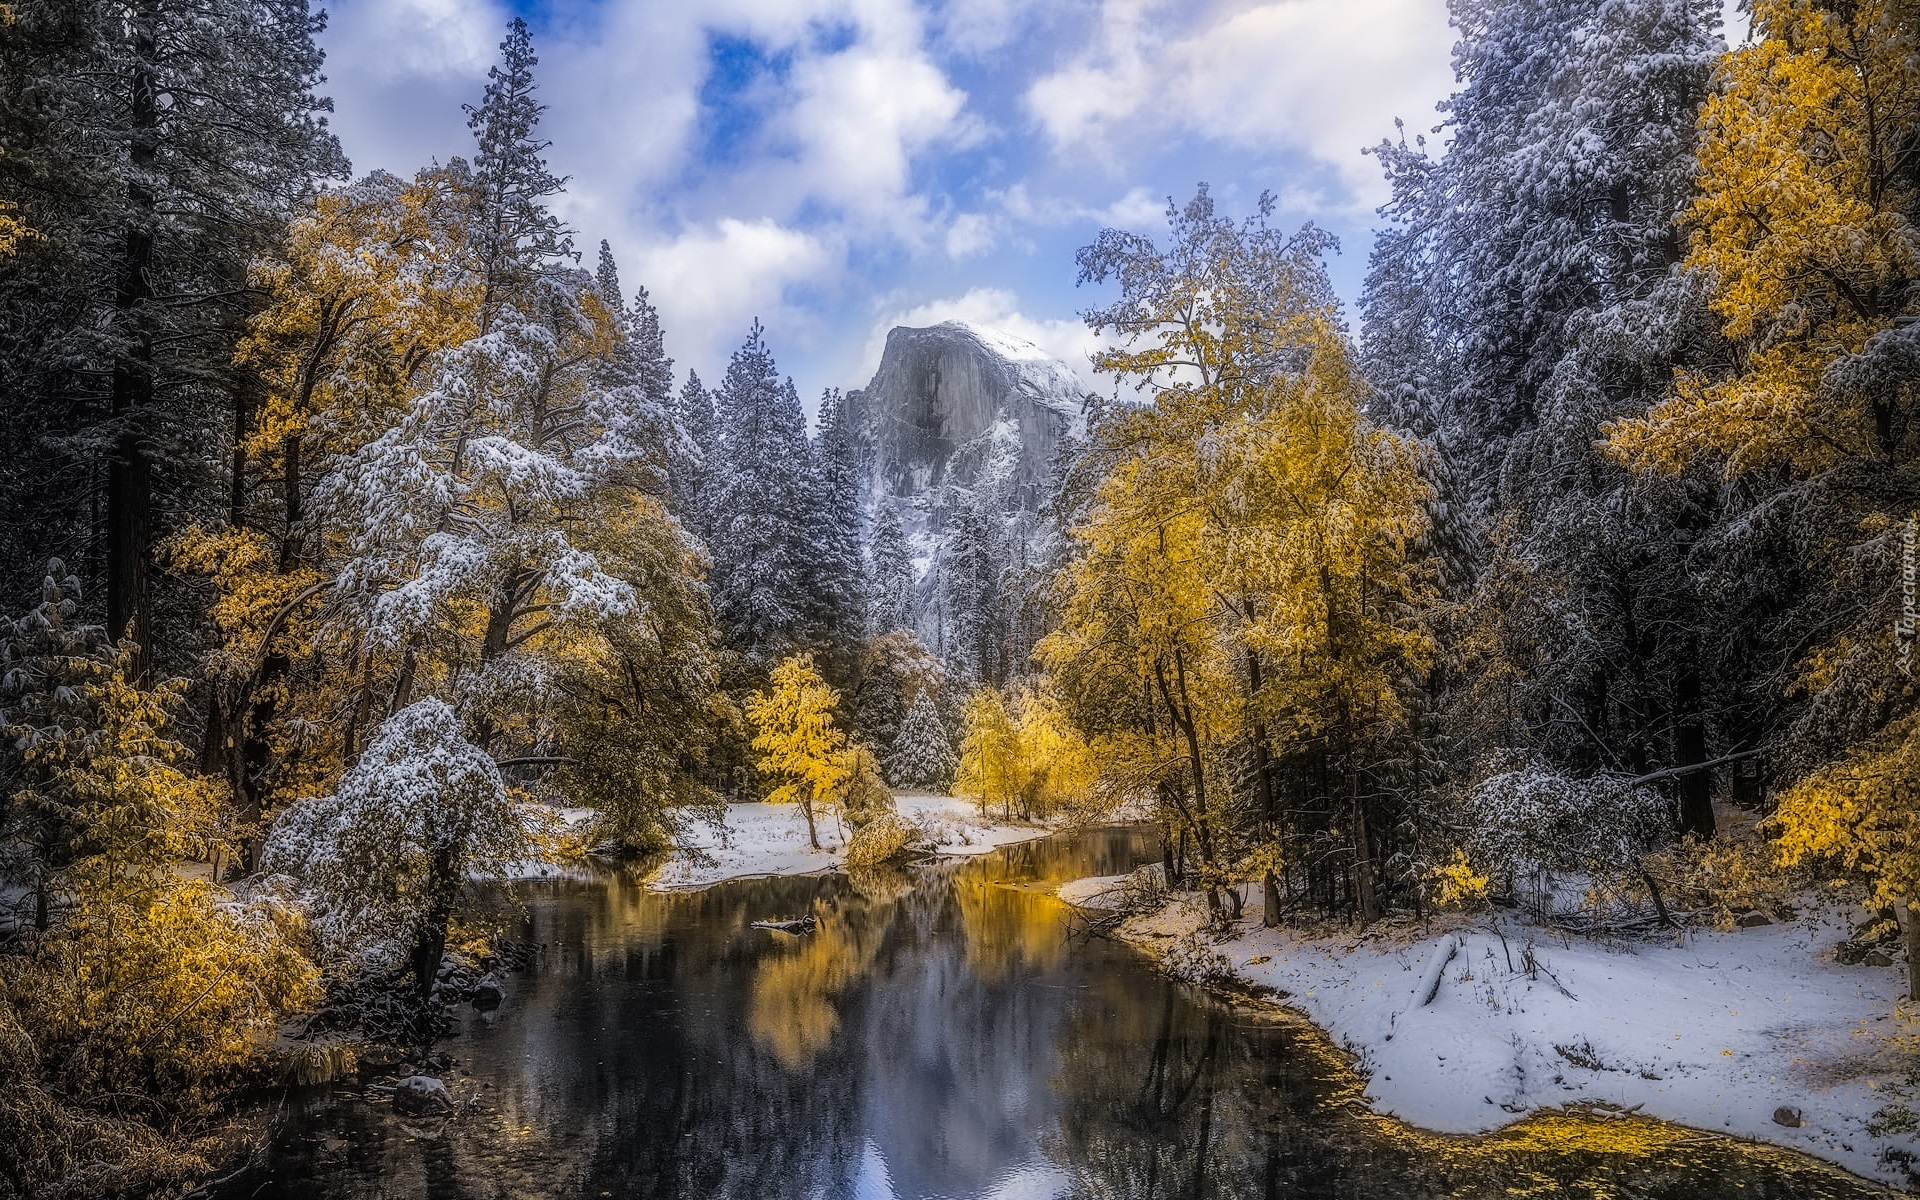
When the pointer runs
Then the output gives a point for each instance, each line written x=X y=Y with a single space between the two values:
x=488 y=994
x=421 y=1095
x=942 y=394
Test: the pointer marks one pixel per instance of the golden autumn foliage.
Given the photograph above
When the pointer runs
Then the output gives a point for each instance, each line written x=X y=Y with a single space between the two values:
x=800 y=748
x=1247 y=565
x=146 y=989
x=1804 y=222
x=1862 y=814
x=1020 y=752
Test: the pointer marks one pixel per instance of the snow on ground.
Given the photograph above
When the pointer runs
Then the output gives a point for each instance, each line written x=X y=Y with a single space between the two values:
x=1095 y=891
x=1711 y=1030
x=771 y=839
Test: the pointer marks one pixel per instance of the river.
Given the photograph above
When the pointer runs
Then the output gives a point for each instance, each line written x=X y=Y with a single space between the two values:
x=939 y=1035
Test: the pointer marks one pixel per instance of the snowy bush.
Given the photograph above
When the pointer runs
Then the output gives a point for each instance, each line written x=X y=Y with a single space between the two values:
x=863 y=795
x=1193 y=959
x=882 y=839
x=1534 y=818
x=385 y=857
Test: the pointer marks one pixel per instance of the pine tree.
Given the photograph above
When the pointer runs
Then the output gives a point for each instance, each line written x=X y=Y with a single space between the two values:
x=892 y=583
x=510 y=180
x=760 y=510
x=921 y=756
x=973 y=559
x=154 y=149
x=695 y=460
x=838 y=587
x=1523 y=297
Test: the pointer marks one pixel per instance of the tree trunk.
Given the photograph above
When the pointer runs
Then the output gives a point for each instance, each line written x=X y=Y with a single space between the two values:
x=1363 y=880
x=129 y=474
x=1690 y=747
x=1910 y=925
x=430 y=940
x=813 y=837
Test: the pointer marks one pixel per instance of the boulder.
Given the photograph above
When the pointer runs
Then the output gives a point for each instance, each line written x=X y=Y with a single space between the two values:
x=1878 y=958
x=1753 y=920
x=421 y=1095
x=1787 y=1115
x=1849 y=954
x=487 y=993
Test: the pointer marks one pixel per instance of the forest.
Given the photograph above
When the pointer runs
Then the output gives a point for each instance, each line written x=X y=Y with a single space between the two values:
x=352 y=527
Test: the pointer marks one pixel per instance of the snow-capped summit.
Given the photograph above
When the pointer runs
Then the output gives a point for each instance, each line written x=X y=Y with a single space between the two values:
x=952 y=400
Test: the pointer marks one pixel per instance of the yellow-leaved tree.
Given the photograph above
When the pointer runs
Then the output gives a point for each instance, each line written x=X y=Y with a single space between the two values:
x=799 y=745
x=1244 y=608
x=1804 y=222
x=1806 y=226
x=1021 y=751
x=1862 y=815
x=1318 y=533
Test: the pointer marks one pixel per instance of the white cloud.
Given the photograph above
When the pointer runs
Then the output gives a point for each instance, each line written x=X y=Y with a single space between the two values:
x=712 y=281
x=859 y=116
x=1070 y=340
x=970 y=234
x=977 y=28
x=399 y=70
x=1323 y=76
x=403 y=39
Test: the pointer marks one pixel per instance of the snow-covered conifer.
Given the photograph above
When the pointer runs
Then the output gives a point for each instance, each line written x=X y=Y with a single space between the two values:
x=922 y=755
x=760 y=484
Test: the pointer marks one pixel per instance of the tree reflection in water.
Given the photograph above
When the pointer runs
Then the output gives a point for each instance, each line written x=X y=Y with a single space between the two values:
x=937 y=1036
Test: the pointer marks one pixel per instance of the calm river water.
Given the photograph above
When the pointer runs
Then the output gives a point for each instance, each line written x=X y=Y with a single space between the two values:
x=938 y=1036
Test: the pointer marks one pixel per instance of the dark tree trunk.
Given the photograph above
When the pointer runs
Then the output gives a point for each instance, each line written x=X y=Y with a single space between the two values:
x=1365 y=889
x=1269 y=806
x=129 y=474
x=1690 y=747
x=430 y=941
x=813 y=837
x=1911 y=924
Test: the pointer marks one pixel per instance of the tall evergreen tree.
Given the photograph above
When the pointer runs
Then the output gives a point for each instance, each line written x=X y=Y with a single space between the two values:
x=922 y=755
x=154 y=149
x=511 y=182
x=891 y=578
x=1524 y=296
x=696 y=459
x=760 y=506
x=834 y=560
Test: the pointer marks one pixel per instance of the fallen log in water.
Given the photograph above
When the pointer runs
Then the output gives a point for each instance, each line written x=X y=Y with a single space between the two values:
x=796 y=927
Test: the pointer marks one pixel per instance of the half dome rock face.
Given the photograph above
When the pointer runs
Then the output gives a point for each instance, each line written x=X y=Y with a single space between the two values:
x=953 y=400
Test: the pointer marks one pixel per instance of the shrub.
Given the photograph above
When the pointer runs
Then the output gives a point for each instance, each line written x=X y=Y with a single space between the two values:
x=880 y=840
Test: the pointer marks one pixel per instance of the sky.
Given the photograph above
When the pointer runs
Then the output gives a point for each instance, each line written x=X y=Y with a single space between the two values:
x=837 y=167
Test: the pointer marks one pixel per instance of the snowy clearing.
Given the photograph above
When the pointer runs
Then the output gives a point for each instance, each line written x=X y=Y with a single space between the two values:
x=1717 y=1031
x=771 y=839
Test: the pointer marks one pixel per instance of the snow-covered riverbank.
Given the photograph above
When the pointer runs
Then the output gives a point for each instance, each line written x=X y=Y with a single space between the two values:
x=1741 y=1033
x=771 y=839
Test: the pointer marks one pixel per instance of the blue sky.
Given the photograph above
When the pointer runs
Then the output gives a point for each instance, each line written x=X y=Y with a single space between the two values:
x=836 y=167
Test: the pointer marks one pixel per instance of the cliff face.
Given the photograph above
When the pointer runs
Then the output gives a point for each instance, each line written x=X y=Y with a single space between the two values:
x=950 y=399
